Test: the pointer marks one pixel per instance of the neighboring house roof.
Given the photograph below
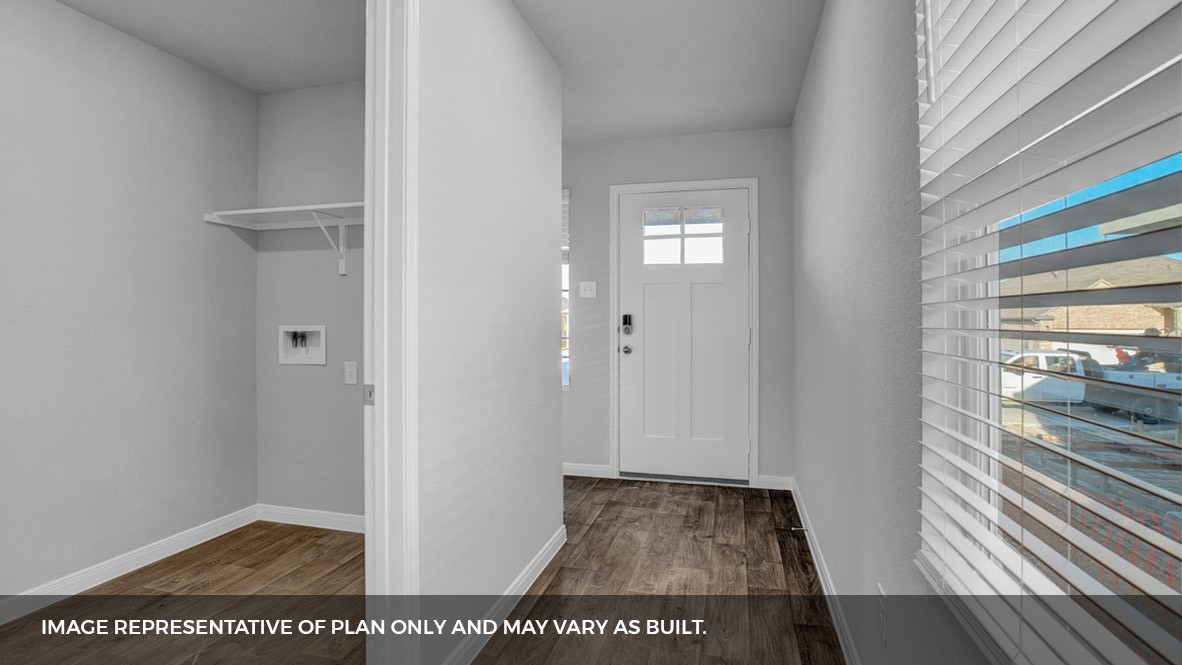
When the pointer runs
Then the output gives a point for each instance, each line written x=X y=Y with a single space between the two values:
x=1149 y=270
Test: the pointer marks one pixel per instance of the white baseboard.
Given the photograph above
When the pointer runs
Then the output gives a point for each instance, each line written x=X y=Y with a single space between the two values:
x=844 y=636
x=588 y=470
x=322 y=519
x=776 y=482
x=467 y=651
x=68 y=585
x=46 y=594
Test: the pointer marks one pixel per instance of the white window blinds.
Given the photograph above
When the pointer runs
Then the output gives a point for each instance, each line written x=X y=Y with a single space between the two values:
x=1051 y=254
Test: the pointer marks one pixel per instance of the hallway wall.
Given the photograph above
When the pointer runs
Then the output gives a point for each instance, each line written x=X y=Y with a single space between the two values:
x=856 y=297
x=588 y=170
x=490 y=142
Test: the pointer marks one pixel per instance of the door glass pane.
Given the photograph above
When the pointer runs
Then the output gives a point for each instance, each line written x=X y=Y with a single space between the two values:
x=662 y=251
x=703 y=220
x=662 y=222
x=703 y=250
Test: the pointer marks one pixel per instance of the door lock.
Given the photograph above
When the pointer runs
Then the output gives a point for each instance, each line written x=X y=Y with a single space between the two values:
x=626 y=324
x=627 y=349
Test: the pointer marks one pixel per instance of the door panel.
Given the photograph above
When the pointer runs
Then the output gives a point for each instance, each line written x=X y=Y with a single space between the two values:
x=656 y=333
x=684 y=402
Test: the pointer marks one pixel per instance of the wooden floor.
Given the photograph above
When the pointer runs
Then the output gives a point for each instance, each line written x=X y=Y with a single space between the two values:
x=643 y=537
x=266 y=558
x=735 y=556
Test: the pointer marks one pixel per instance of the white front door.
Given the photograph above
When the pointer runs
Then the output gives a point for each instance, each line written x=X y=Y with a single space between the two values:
x=684 y=370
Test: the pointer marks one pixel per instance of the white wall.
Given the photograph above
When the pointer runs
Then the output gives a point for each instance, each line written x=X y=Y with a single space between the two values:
x=588 y=170
x=127 y=322
x=310 y=438
x=489 y=410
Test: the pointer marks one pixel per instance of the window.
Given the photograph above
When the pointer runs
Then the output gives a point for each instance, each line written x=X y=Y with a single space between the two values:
x=674 y=236
x=565 y=288
x=1051 y=261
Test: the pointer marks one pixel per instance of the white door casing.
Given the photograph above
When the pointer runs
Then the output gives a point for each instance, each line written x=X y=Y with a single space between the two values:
x=685 y=373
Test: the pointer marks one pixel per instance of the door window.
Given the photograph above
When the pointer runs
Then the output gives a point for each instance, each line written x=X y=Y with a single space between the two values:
x=683 y=235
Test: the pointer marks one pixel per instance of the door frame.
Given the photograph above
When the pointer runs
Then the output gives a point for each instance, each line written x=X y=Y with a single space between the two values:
x=614 y=194
x=390 y=299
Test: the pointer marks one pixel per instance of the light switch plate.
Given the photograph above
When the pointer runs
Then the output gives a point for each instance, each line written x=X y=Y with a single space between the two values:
x=350 y=372
x=586 y=289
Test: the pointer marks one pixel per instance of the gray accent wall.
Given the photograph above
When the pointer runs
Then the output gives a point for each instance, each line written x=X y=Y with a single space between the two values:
x=490 y=151
x=310 y=437
x=127 y=383
x=588 y=170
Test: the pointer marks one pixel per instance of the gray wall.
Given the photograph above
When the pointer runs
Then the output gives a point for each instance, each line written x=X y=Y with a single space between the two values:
x=856 y=307
x=128 y=323
x=489 y=412
x=856 y=295
x=312 y=145
x=588 y=169
x=310 y=438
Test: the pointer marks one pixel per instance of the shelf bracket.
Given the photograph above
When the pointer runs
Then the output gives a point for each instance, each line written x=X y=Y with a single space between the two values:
x=342 y=236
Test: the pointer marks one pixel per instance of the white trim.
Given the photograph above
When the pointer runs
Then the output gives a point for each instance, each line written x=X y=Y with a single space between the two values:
x=410 y=299
x=844 y=635
x=470 y=647
x=321 y=519
x=105 y=571
x=614 y=193
x=390 y=301
x=588 y=470
x=776 y=483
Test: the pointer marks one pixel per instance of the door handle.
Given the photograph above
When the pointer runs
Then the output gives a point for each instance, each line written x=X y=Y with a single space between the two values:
x=627 y=349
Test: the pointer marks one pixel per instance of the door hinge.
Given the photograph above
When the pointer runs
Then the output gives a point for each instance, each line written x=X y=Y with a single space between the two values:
x=748 y=337
x=367 y=394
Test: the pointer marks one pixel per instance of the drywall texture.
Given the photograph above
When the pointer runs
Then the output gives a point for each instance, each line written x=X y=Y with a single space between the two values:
x=128 y=324
x=588 y=169
x=310 y=438
x=490 y=148
x=856 y=308
x=311 y=145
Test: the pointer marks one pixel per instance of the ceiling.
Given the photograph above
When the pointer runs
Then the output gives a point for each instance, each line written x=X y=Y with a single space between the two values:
x=263 y=45
x=635 y=68
x=631 y=68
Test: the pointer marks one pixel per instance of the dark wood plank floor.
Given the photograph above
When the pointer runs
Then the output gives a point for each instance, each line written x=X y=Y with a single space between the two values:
x=644 y=537
x=635 y=548
x=734 y=556
x=262 y=558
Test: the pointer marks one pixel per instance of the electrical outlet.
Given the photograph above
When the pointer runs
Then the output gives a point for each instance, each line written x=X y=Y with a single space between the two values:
x=881 y=613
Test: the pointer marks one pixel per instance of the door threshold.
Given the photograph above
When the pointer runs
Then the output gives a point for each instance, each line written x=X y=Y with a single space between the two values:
x=684 y=479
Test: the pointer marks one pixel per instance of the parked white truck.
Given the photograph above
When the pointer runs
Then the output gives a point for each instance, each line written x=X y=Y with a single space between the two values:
x=1038 y=375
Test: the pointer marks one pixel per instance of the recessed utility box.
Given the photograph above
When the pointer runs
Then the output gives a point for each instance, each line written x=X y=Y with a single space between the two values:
x=303 y=345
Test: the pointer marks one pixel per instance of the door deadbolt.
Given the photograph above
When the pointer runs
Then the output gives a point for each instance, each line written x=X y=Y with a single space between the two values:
x=626 y=350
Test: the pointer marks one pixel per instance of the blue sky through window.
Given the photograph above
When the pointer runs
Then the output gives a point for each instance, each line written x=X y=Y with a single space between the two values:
x=1152 y=171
